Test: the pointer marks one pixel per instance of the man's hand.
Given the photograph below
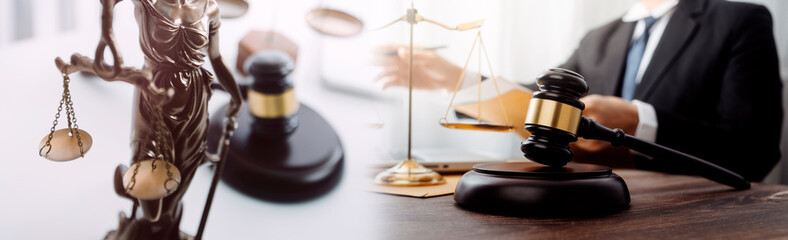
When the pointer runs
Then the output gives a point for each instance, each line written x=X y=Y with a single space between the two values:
x=430 y=70
x=612 y=112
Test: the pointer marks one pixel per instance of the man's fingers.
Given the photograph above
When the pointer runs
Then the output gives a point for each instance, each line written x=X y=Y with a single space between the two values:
x=590 y=103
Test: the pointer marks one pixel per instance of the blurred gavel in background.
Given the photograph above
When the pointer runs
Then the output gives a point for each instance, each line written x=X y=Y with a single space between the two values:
x=555 y=119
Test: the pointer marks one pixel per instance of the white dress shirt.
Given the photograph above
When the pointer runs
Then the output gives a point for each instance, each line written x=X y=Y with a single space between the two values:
x=647 y=124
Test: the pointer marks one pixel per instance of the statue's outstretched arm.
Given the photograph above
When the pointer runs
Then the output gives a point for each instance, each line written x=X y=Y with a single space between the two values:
x=117 y=72
x=226 y=79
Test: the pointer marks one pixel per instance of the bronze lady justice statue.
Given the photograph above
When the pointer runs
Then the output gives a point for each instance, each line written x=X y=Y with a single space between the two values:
x=170 y=115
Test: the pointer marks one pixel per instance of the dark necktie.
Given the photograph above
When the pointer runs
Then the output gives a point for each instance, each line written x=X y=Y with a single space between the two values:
x=634 y=57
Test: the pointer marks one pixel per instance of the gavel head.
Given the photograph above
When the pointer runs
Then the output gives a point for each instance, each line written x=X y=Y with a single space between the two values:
x=554 y=116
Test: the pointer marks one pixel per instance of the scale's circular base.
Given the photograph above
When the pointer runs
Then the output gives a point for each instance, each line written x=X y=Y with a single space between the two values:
x=531 y=189
x=304 y=165
x=409 y=173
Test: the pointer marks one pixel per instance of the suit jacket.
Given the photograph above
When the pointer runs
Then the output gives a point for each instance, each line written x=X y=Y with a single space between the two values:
x=713 y=80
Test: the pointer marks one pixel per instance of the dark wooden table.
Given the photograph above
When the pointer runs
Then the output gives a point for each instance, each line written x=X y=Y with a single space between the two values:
x=664 y=206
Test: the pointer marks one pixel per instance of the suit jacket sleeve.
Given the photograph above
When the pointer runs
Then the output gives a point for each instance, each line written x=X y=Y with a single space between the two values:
x=745 y=138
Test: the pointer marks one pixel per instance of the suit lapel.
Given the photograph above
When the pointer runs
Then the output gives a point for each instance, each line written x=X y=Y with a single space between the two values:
x=617 y=47
x=677 y=35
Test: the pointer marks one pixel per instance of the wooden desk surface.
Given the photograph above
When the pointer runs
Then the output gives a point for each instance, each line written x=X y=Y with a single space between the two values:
x=664 y=206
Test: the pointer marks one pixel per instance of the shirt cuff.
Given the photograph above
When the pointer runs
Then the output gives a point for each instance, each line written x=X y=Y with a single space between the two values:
x=647 y=123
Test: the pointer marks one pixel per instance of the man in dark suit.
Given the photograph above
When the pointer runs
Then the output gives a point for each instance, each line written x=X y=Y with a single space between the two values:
x=698 y=76
x=712 y=84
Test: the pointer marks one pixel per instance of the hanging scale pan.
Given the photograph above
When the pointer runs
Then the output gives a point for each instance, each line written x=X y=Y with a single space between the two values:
x=64 y=145
x=151 y=179
x=334 y=22
x=68 y=143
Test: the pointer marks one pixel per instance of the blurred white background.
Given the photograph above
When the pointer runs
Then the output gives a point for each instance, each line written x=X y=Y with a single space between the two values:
x=75 y=200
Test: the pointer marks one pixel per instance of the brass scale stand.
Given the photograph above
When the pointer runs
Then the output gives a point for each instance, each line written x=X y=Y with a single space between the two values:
x=409 y=172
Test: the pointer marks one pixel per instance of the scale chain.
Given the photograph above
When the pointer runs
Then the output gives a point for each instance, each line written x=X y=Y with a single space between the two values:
x=159 y=153
x=67 y=97
x=52 y=131
x=159 y=148
x=70 y=115
x=133 y=180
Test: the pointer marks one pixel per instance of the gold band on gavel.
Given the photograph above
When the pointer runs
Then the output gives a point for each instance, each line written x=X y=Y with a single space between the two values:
x=553 y=114
x=264 y=105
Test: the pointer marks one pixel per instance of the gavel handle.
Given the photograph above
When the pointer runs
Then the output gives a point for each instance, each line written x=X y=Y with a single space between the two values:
x=590 y=129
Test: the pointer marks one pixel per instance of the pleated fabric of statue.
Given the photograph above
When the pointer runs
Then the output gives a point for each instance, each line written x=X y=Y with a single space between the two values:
x=175 y=51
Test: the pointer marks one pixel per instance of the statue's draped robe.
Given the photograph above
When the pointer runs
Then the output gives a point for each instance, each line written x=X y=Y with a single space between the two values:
x=175 y=55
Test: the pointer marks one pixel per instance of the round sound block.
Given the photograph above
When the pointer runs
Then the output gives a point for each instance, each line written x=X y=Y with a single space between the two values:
x=299 y=167
x=531 y=189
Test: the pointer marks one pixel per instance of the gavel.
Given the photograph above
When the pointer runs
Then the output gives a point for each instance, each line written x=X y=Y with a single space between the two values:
x=555 y=119
x=551 y=186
